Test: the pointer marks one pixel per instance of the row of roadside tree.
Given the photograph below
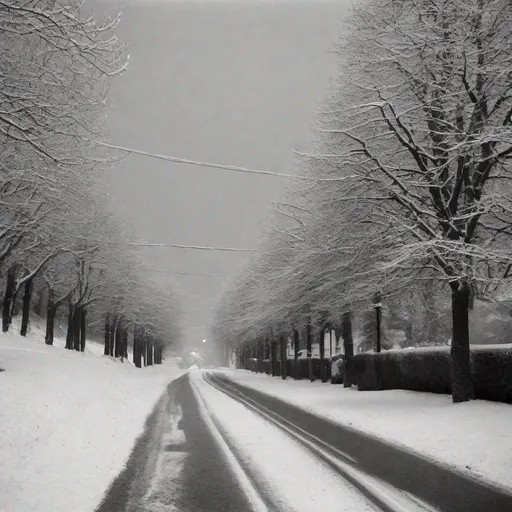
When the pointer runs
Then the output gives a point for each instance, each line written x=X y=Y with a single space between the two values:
x=405 y=197
x=63 y=252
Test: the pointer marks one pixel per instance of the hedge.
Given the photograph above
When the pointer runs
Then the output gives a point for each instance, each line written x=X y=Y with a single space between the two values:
x=298 y=369
x=428 y=370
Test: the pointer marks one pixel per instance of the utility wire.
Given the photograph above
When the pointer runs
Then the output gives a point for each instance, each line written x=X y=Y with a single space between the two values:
x=225 y=167
x=186 y=273
x=197 y=247
x=177 y=246
x=233 y=168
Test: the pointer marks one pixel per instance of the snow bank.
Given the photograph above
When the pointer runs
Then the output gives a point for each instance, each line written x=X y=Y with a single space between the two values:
x=68 y=421
x=472 y=437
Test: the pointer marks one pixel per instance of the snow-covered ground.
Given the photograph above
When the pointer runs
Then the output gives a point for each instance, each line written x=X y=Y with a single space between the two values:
x=68 y=421
x=473 y=437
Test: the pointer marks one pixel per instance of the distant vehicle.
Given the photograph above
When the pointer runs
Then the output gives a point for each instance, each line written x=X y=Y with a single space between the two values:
x=315 y=351
x=315 y=354
x=303 y=354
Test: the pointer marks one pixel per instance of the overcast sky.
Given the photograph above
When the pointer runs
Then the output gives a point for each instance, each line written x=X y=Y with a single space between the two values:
x=228 y=82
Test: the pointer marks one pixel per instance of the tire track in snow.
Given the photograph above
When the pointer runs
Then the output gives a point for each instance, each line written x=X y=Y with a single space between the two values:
x=387 y=498
x=422 y=480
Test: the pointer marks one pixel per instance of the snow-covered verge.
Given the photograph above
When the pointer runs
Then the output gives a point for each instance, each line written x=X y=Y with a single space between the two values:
x=68 y=421
x=472 y=437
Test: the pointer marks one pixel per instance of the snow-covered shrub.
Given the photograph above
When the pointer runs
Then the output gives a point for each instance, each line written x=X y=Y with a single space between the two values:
x=337 y=370
x=415 y=369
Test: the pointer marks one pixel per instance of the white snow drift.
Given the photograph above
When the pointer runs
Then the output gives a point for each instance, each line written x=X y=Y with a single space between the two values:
x=68 y=422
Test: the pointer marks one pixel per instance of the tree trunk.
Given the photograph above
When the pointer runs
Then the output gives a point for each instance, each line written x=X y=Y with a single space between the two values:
x=462 y=382
x=27 y=298
x=118 y=351
x=158 y=354
x=14 y=305
x=136 y=347
x=150 y=353
x=140 y=347
x=113 y=327
x=348 y=346
x=321 y=342
x=9 y=292
x=296 y=347
x=144 y=349
x=377 y=329
x=106 y=350
x=83 y=328
x=273 y=357
x=69 y=334
x=125 y=343
x=309 y=341
x=76 y=328
x=266 y=356
x=51 y=312
x=284 y=357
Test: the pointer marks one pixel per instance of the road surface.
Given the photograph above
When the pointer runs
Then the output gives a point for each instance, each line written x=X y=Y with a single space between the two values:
x=211 y=445
x=176 y=464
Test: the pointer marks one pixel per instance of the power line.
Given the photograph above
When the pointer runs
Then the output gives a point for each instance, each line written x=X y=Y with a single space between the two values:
x=177 y=246
x=186 y=273
x=167 y=158
x=196 y=247
x=233 y=168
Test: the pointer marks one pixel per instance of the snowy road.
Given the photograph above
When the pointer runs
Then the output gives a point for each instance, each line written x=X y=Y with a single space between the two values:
x=176 y=465
x=209 y=447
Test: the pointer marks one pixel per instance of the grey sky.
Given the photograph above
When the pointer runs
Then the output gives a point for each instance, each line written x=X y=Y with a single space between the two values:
x=225 y=82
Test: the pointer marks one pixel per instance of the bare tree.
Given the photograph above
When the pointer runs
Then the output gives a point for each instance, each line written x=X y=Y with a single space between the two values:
x=412 y=160
x=426 y=117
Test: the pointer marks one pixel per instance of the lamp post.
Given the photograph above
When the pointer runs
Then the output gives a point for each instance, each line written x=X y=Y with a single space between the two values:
x=377 y=304
x=203 y=352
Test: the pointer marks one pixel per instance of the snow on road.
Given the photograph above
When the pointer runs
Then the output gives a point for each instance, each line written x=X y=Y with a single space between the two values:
x=473 y=437
x=295 y=479
x=68 y=422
